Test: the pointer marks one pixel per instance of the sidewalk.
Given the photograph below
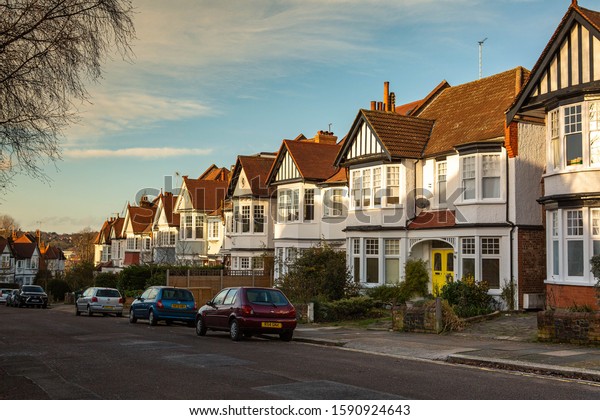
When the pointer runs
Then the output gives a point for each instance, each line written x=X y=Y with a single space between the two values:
x=507 y=342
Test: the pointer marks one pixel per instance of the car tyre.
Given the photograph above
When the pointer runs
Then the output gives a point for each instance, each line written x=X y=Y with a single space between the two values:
x=132 y=318
x=200 y=327
x=234 y=331
x=152 y=318
x=286 y=335
x=89 y=311
x=77 y=313
x=120 y=314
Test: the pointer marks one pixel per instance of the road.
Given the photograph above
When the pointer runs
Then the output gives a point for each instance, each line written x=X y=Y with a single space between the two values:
x=52 y=354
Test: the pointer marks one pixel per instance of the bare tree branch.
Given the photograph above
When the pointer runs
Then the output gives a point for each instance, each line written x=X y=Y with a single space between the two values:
x=49 y=50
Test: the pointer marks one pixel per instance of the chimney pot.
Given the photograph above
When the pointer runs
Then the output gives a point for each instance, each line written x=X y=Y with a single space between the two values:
x=386 y=96
x=373 y=105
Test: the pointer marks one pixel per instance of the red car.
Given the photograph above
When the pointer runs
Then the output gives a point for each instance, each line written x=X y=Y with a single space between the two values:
x=244 y=311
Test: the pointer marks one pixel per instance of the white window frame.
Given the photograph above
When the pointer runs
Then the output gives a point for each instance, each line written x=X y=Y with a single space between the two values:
x=476 y=176
x=375 y=187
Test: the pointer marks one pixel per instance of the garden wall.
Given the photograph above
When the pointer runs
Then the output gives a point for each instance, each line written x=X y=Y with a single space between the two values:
x=569 y=327
x=424 y=319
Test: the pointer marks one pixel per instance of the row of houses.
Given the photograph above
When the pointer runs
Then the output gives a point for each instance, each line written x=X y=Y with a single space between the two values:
x=23 y=255
x=498 y=179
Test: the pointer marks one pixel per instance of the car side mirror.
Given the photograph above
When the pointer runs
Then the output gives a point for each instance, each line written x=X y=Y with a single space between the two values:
x=210 y=303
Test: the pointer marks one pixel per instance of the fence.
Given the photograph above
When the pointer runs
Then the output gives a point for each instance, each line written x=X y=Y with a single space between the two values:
x=205 y=284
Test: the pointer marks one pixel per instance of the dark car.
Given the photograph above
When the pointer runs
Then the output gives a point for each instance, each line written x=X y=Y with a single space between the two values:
x=164 y=303
x=30 y=295
x=244 y=311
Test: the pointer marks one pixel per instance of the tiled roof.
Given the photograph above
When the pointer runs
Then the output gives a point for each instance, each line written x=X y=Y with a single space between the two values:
x=117 y=225
x=340 y=177
x=22 y=250
x=433 y=219
x=472 y=112
x=402 y=136
x=53 y=253
x=257 y=170
x=313 y=160
x=168 y=202
x=141 y=218
x=214 y=173
x=206 y=195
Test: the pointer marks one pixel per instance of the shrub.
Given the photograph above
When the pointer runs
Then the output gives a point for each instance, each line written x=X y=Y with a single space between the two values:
x=344 y=309
x=106 y=280
x=319 y=272
x=595 y=263
x=57 y=288
x=388 y=294
x=468 y=297
x=416 y=281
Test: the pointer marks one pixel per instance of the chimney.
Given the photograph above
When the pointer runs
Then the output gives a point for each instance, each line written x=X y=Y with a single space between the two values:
x=373 y=105
x=386 y=96
x=519 y=80
x=325 y=137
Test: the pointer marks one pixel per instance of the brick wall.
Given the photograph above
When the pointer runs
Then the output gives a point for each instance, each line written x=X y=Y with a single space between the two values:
x=562 y=296
x=569 y=327
x=531 y=269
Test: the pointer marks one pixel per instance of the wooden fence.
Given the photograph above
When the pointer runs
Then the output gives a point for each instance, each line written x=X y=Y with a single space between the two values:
x=206 y=284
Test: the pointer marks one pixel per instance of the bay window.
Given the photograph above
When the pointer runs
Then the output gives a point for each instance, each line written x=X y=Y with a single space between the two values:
x=468 y=177
x=490 y=262
x=333 y=204
x=372 y=260
x=442 y=171
x=356 y=259
x=393 y=185
x=392 y=261
x=309 y=205
x=574 y=243
x=481 y=176
x=468 y=257
x=375 y=186
x=259 y=218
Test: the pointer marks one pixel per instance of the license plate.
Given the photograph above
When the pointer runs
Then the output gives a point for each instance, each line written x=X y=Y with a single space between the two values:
x=271 y=324
x=179 y=306
x=109 y=307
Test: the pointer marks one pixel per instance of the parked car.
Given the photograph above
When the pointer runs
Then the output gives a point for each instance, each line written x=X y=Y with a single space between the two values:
x=10 y=299
x=30 y=295
x=244 y=311
x=4 y=295
x=164 y=303
x=101 y=300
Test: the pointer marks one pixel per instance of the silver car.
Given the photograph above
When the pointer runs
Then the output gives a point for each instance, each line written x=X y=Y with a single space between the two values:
x=4 y=295
x=101 y=300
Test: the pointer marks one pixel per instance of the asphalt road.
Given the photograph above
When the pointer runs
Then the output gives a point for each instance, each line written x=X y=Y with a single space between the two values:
x=52 y=354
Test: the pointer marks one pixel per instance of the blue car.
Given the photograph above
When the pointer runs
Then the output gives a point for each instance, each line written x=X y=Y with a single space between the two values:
x=164 y=303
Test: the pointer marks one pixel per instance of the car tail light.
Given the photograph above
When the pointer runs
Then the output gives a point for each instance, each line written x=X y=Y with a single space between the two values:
x=293 y=313
x=94 y=299
x=247 y=310
x=121 y=300
x=159 y=304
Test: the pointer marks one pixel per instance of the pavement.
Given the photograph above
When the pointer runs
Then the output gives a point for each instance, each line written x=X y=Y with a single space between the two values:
x=507 y=342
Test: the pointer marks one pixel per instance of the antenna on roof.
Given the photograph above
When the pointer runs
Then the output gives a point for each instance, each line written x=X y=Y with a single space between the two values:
x=330 y=127
x=480 y=57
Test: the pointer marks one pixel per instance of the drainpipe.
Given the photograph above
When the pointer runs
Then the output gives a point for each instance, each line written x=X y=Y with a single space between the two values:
x=512 y=225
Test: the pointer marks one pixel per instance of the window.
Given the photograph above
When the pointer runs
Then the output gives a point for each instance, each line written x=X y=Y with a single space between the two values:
x=366 y=188
x=595 y=231
x=199 y=227
x=356 y=259
x=594 y=115
x=555 y=243
x=490 y=262
x=147 y=244
x=574 y=243
x=372 y=260
x=259 y=218
x=288 y=205
x=356 y=188
x=573 y=135
x=468 y=257
x=258 y=263
x=377 y=186
x=333 y=203
x=245 y=219
x=555 y=138
x=244 y=263
x=393 y=185
x=490 y=171
x=468 y=177
x=188 y=227
x=213 y=229
x=309 y=205
x=392 y=261
x=132 y=244
x=441 y=182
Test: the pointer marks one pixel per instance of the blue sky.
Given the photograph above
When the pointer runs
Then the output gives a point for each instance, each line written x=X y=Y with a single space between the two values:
x=213 y=79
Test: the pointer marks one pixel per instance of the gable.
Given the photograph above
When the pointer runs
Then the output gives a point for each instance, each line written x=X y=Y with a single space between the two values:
x=242 y=186
x=569 y=64
x=287 y=169
x=363 y=143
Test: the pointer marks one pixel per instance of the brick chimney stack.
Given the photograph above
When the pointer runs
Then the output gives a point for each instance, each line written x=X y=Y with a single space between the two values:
x=325 y=137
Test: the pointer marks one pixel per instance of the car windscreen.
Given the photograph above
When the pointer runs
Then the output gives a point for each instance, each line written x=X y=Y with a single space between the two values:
x=35 y=289
x=108 y=293
x=177 y=294
x=266 y=297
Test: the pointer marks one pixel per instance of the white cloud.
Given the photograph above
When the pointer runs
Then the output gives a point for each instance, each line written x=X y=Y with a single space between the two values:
x=135 y=152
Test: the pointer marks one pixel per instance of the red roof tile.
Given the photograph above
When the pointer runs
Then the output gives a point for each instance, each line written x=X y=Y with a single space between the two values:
x=206 y=195
x=433 y=219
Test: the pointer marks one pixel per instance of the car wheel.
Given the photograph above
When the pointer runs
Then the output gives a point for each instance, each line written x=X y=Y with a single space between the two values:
x=152 y=318
x=287 y=335
x=132 y=318
x=77 y=310
x=44 y=306
x=200 y=327
x=234 y=331
x=120 y=314
x=89 y=311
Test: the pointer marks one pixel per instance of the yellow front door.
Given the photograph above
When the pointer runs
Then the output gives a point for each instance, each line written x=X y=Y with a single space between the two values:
x=442 y=264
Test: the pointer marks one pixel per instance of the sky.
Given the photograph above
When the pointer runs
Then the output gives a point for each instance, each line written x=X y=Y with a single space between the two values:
x=210 y=80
